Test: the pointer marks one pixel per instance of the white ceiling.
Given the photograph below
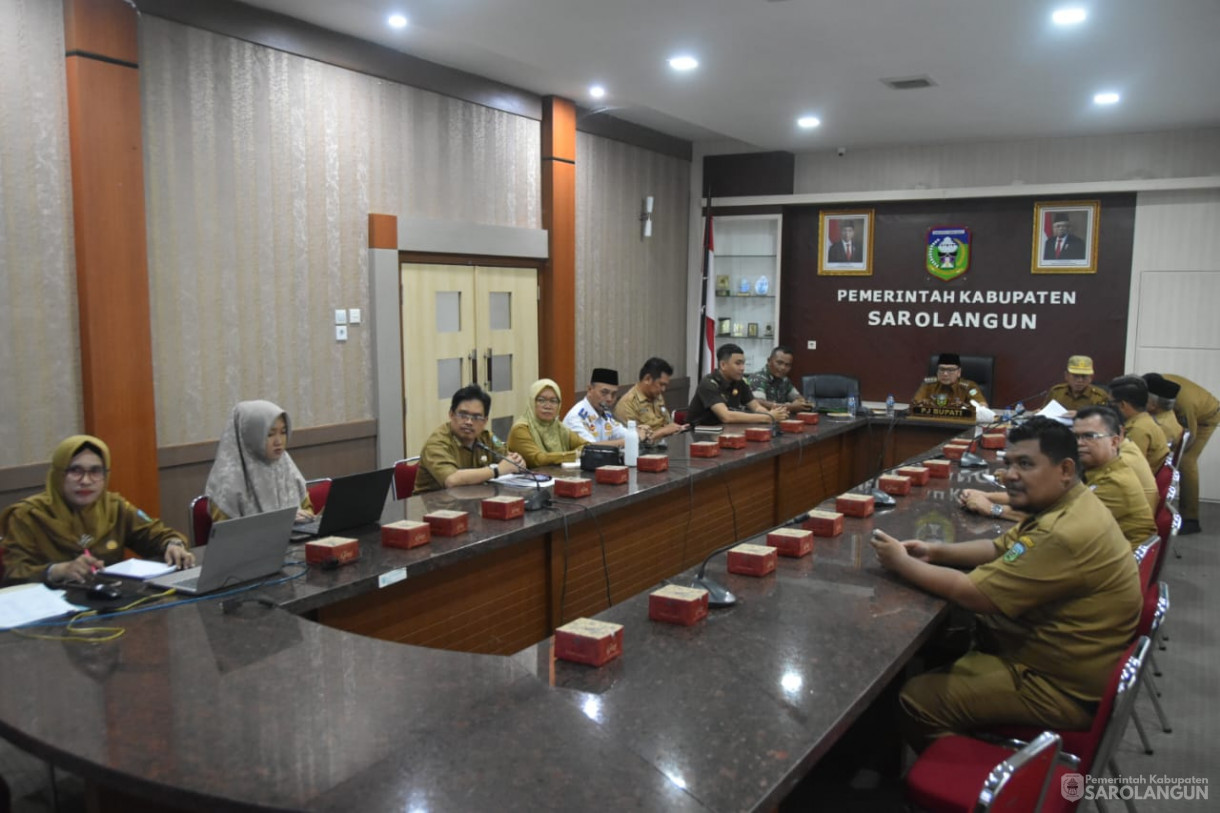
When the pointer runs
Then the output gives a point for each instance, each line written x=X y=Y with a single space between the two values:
x=1002 y=69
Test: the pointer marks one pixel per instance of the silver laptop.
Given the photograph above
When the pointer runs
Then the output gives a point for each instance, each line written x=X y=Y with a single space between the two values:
x=238 y=550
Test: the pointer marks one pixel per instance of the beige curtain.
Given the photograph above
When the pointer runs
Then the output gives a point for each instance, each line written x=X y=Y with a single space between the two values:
x=631 y=285
x=260 y=170
x=40 y=398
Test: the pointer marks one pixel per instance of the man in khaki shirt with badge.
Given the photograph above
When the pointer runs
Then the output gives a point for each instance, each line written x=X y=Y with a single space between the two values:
x=1130 y=396
x=1078 y=390
x=1098 y=436
x=1057 y=599
x=644 y=403
x=948 y=388
x=462 y=452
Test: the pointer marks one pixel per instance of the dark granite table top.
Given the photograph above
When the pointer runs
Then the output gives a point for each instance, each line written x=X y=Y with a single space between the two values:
x=260 y=708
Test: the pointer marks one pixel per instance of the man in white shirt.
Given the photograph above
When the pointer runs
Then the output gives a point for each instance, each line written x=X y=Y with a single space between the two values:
x=592 y=418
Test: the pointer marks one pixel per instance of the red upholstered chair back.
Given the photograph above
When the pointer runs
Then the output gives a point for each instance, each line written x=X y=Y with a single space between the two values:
x=1147 y=555
x=319 y=490
x=404 y=477
x=1114 y=710
x=199 y=518
x=1019 y=783
x=1164 y=478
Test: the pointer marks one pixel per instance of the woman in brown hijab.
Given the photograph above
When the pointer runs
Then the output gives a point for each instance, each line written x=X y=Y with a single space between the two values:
x=76 y=526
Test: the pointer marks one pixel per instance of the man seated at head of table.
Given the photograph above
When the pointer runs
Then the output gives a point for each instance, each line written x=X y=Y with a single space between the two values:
x=1162 y=397
x=724 y=396
x=460 y=451
x=538 y=435
x=591 y=417
x=771 y=385
x=1057 y=600
x=1129 y=394
x=644 y=403
x=948 y=390
x=76 y=525
x=1077 y=389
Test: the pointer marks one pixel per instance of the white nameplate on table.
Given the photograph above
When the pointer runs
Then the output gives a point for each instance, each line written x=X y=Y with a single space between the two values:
x=393 y=577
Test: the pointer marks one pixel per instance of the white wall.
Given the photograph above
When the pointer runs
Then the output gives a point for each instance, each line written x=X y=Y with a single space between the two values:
x=1175 y=288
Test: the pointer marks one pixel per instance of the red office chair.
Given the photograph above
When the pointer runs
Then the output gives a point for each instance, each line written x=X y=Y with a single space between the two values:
x=319 y=490
x=404 y=477
x=961 y=774
x=1164 y=479
x=199 y=519
x=1092 y=751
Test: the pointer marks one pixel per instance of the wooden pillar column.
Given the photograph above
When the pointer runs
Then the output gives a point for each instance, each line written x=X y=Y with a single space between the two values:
x=102 y=61
x=557 y=308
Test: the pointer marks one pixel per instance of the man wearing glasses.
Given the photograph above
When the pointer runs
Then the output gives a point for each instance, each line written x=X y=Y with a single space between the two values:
x=459 y=452
x=948 y=388
x=1098 y=435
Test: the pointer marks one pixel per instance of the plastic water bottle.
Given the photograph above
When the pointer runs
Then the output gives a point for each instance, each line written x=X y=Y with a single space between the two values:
x=851 y=405
x=889 y=405
x=1007 y=416
x=1020 y=408
x=631 y=445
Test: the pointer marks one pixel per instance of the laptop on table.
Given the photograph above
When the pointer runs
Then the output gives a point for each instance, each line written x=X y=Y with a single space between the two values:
x=239 y=550
x=355 y=500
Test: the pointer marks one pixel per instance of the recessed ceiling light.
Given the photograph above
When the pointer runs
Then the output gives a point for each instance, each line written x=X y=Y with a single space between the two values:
x=397 y=21
x=597 y=91
x=1106 y=98
x=1069 y=16
x=808 y=122
x=683 y=63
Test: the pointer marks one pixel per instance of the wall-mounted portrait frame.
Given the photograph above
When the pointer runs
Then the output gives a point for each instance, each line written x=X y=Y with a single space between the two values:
x=1065 y=237
x=845 y=243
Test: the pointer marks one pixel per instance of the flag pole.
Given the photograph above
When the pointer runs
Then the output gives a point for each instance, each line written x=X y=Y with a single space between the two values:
x=706 y=326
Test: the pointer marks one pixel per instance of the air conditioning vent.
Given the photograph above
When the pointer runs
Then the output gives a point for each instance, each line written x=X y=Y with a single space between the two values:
x=909 y=82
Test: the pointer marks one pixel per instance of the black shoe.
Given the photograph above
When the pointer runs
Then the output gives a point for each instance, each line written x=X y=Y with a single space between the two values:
x=1189 y=526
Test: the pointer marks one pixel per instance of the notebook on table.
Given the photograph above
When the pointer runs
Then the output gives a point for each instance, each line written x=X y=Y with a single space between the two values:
x=239 y=550
x=355 y=500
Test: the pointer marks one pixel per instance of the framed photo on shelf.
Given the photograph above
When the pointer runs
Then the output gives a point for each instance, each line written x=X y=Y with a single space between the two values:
x=725 y=328
x=845 y=243
x=1065 y=237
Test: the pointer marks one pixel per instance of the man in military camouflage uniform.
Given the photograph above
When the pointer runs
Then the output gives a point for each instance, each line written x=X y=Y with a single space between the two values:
x=771 y=385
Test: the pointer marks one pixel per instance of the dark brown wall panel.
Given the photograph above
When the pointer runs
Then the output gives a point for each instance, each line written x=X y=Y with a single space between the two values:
x=894 y=359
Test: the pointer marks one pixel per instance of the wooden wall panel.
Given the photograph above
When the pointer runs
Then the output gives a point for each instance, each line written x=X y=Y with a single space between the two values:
x=495 y=604
x=111 y=247
x=557 y=305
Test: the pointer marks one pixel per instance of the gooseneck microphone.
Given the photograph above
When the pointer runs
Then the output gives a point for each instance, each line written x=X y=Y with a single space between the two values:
x=539 y=499
x=717 y=594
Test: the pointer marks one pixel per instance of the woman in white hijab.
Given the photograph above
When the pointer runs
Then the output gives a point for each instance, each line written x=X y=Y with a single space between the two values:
x=253 y=472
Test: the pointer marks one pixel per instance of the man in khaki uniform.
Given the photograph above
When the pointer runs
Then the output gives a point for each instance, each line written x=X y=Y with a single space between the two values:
x=460 y=451
x=948 y=388
x=1078 y=390
x=1057 y=597
x=1098 y=436
x=1130 y=395
x=1162 y=394
x=1199 y=412
x=644 y=403
x=1135 y=460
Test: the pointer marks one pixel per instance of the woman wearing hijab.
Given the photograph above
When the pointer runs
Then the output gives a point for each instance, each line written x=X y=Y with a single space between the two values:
x=539 y=435
x=253 y=472
x=76 y=526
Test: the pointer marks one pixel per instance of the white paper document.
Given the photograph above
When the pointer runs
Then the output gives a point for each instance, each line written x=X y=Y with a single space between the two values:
x=139 y=569
x=1055 y=410
x=27 y=603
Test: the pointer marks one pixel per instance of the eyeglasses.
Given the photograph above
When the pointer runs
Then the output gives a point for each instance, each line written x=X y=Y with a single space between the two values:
x=1091 y=435
x=466 y=416
x=947 y=369
x=547 y=401
x=81 y=472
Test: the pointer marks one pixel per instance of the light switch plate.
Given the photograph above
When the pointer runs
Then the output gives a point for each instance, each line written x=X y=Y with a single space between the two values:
x=340 y=333
x=812 y=344
x=353 y=316
x=340 y=316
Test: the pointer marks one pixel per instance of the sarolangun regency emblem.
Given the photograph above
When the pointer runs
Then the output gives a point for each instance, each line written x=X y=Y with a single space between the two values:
x=948 y=255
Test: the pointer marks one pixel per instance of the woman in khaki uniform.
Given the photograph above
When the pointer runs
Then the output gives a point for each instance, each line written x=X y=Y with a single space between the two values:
x=76 y=526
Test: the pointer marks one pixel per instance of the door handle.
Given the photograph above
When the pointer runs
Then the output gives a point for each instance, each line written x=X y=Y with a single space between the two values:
x=487 y=369
x=473 y=355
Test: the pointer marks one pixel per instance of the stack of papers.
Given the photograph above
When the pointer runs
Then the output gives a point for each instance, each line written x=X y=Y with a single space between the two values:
x=27 y=603
x=139 y=569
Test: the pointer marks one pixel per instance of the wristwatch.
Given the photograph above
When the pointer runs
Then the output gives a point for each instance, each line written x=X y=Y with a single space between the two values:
x=997 y=510
x=495 y=470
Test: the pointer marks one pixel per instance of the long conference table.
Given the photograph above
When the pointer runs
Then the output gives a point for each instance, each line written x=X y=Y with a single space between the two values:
x=424 y=679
